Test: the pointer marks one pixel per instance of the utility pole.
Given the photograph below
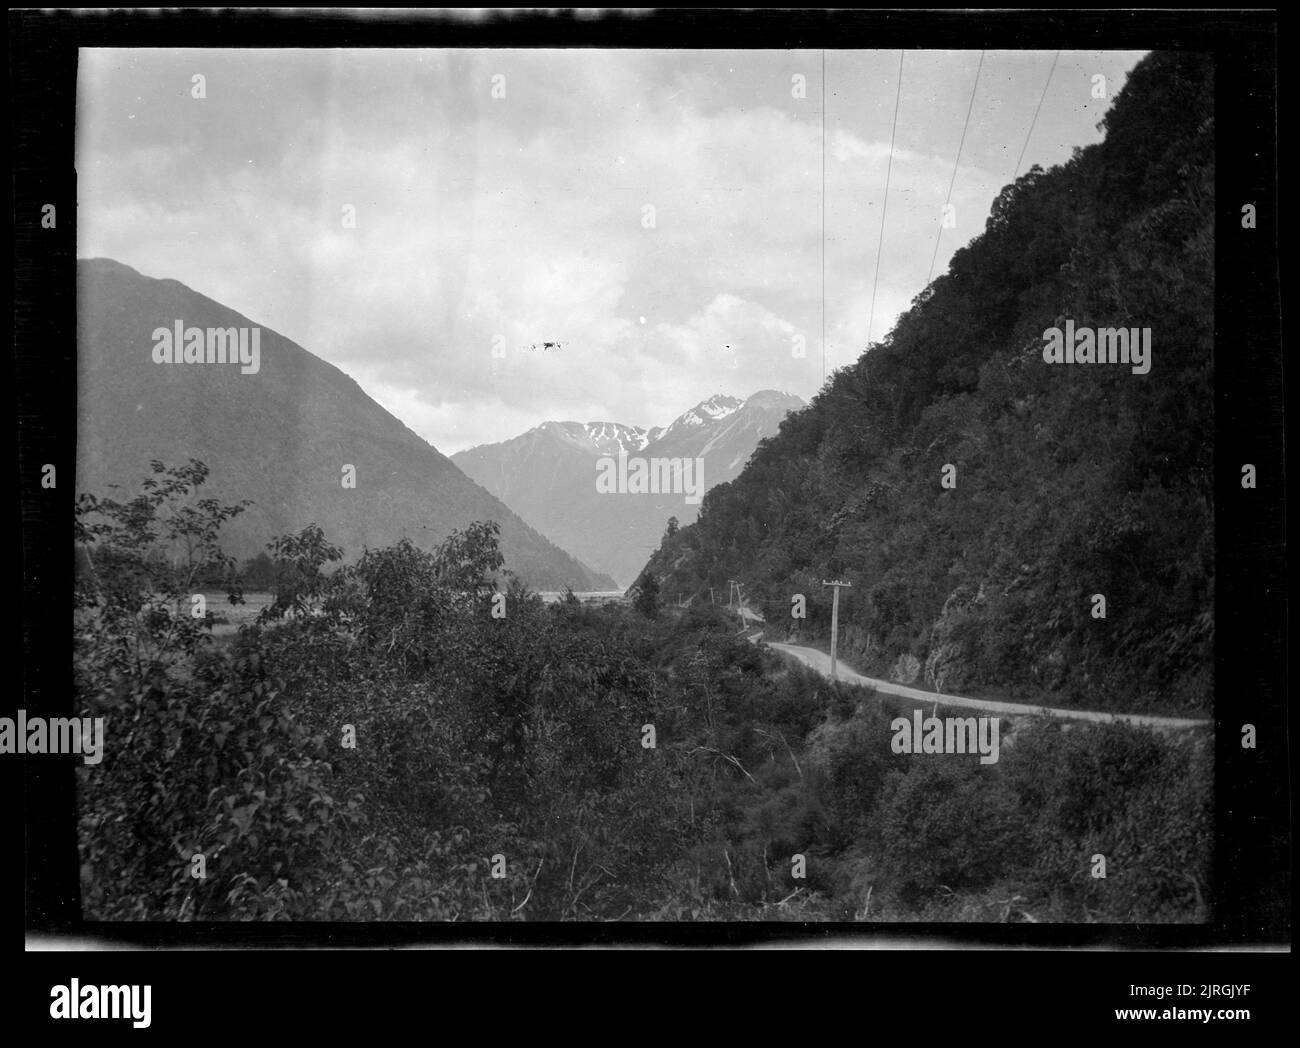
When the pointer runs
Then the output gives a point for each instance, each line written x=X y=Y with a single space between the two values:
x=835 y=617
x=740 y=601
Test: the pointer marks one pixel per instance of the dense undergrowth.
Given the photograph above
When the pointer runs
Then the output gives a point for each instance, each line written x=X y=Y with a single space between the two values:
x=380 y=745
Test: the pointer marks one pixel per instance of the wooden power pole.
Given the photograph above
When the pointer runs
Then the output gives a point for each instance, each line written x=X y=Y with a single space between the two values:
x=740 y=601
x=835 y=617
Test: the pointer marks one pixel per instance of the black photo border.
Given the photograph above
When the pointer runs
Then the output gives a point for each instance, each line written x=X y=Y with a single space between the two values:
x=1252 y=787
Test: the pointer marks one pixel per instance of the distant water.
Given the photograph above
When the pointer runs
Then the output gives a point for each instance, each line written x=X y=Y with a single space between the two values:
x=587 y=597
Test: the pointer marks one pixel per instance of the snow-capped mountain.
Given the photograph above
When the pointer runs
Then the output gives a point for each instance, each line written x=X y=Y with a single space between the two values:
x=702 y=416
x=548 y=475
x=607 y=438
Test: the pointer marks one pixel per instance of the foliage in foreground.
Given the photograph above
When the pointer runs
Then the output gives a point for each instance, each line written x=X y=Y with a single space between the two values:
x=367 y=749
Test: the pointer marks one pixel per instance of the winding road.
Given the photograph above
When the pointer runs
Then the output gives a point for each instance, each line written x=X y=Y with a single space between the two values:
x=821 y=663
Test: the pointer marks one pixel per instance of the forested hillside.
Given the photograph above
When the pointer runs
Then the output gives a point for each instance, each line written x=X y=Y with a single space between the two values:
x=1071 y=480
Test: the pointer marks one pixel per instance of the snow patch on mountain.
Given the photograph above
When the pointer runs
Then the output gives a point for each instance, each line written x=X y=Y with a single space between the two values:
x=604 y=438
x=614 y=438
x=705 y=413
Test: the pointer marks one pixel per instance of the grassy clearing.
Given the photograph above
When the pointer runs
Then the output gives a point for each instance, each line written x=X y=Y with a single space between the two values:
x=229 y=617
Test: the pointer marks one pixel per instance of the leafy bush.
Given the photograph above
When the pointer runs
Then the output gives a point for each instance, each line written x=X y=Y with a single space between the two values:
x=377 y=745
x=949 y=821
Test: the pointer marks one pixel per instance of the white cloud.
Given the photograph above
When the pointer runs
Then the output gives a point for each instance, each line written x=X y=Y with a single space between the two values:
x=522 y=217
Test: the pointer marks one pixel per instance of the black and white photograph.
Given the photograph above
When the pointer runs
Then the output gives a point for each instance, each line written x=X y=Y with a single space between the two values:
x=600 y=487
x=645 y=485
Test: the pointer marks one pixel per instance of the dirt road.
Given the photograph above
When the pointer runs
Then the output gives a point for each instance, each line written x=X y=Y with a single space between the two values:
x=821 y=662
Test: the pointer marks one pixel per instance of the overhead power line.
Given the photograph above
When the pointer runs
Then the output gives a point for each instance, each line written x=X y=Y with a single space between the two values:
x=1029 y=133
x=956 y=163
x=898 y=94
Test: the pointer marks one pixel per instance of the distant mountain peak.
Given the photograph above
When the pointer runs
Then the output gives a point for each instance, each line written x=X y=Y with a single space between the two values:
x=705 y=413
x=602 y=437
x=548 y=474
x=616 y=438
x=717 y=406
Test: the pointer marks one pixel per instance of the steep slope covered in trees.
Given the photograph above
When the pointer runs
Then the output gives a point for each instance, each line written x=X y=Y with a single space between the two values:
x=1071 y=479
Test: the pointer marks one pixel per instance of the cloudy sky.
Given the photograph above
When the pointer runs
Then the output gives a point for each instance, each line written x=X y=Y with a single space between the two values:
x=659 y=217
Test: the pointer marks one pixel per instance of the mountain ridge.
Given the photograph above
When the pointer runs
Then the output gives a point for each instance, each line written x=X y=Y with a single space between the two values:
x=548 y=474
x=282 y=436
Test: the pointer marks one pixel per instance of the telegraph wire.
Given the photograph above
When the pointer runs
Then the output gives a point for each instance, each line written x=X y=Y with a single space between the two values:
x=956 y=163
x=1029 y=133
x=898 y=94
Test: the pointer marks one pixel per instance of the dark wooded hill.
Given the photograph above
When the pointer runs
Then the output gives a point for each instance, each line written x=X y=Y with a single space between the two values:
x=280 y=437
x=1071 y=479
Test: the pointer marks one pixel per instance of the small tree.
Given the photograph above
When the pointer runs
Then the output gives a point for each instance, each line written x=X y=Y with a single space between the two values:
x=141 y=563
x=259 y=572
x=468 y=560
x=647 y=595
x=299 y=581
